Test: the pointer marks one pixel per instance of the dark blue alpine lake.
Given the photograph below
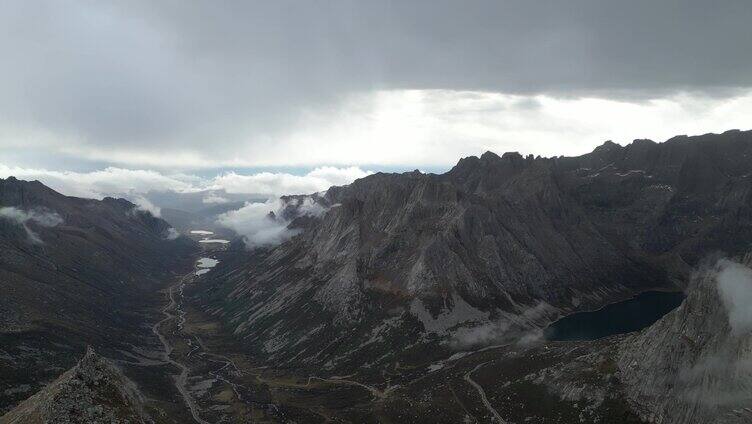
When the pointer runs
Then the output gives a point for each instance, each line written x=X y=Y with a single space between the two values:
x=618 y=318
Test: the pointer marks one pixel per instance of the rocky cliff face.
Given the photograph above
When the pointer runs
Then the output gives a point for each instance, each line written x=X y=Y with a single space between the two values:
x=695 y=364
x=93 y=391
x=72 y=272
x=402 y=267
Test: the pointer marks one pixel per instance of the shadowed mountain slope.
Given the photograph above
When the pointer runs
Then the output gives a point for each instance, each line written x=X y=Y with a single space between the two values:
x=695 y=364
x=403 y=268
x=72 y=272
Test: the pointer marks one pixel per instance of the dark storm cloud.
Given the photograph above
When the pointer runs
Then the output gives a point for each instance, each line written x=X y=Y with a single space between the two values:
x=182 y=73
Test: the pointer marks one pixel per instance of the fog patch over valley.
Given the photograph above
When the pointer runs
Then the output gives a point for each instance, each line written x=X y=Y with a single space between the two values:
x=520 y=329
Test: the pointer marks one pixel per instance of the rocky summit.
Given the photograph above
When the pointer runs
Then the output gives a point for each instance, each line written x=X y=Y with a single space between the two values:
x=93 y=391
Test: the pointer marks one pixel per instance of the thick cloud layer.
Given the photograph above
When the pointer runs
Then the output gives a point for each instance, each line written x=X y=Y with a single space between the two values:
x=107 y=182
x=186 y=84
x=134 y=184
x=269 y=183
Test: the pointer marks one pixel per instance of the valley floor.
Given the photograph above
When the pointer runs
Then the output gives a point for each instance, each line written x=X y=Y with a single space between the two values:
x=190 y=369
x=213 y=381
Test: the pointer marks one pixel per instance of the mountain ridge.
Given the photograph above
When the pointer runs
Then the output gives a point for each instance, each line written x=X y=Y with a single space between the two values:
x=92 y=391
x=411 y=296
x=73 y=272
x=498 y=241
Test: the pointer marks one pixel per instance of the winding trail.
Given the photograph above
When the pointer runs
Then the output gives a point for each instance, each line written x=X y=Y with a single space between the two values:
x=227 y=363
x=174 y=311
x=482 y=393
x=227 y=368
x=181 y=380
x=375 y=392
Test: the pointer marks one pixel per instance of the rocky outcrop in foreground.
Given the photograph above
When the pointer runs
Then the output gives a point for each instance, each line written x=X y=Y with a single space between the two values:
x=695 y=365
x=94 y=391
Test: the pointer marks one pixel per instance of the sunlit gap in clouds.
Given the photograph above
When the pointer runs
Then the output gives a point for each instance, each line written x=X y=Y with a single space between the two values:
x=400 y=129
x=436 y=127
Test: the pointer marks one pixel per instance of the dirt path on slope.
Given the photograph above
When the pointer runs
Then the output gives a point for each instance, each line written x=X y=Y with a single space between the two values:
x=494 y=413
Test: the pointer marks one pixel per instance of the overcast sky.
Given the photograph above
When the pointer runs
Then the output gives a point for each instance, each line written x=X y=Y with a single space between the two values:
x=182 y=88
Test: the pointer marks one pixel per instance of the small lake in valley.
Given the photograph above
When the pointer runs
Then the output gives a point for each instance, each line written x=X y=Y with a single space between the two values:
x=618 y=318
x=206 y=237
x=205 y=265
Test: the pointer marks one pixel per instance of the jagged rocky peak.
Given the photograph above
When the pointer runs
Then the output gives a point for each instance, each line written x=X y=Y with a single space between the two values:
x=694 y=366
x=489 y=157
x=643 y=142
x=606 y=153
x=490 y=171
x=607 y=145
x=93 y=391
x=511 y=156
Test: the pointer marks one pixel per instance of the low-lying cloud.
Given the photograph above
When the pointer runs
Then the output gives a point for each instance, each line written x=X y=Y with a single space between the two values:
x=495 y=332
x=265 y=223
x=718 y=373
x=520 y=329
x=735 y=289
x=40 y=217
x=718 y=380
x=171 y=234
x=143 y=204
x=481 y=335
